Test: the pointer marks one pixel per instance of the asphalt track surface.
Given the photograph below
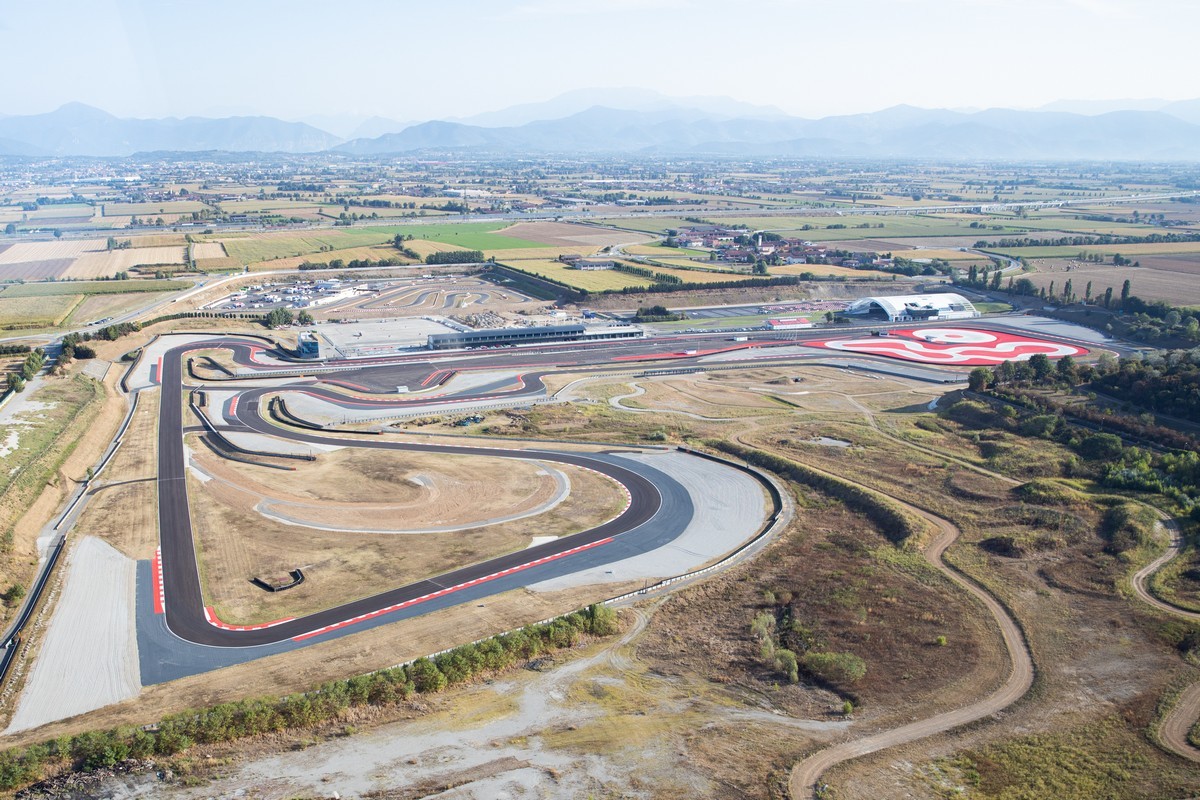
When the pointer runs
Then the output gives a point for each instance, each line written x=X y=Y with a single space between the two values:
x=180 y=572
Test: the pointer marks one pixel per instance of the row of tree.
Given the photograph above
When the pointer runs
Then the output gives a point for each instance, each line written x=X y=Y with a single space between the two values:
x=230 y=721
x=1089 y=239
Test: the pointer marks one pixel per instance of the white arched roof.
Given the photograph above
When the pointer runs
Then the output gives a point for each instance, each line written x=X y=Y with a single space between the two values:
x=897 y=306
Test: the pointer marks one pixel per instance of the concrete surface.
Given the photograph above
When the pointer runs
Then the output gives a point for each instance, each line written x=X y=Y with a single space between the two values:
x=89 y=656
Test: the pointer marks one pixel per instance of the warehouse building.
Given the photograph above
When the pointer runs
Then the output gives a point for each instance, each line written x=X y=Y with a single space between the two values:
x=912 y=308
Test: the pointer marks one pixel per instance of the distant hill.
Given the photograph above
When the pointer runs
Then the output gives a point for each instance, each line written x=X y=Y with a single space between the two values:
x=77 y=129
x=569 y=103
x=649 y=123
x=901 y=131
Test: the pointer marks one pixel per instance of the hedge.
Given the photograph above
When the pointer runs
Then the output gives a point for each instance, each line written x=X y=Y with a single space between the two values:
x=896 y=524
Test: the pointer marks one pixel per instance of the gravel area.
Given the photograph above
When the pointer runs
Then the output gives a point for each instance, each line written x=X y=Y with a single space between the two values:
x=89 y=656
x=730 y=507
x=1054 y=327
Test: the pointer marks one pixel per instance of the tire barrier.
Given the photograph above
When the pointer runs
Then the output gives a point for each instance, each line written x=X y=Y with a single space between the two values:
x=286 y=416
x=297 y=579
x=224 y=442
x=230 y=455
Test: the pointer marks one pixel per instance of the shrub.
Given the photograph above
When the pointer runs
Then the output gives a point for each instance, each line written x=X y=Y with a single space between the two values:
x=835 y=668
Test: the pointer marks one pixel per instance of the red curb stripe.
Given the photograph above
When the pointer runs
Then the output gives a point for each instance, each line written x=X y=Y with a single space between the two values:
x=210 y=614
x=446 y=591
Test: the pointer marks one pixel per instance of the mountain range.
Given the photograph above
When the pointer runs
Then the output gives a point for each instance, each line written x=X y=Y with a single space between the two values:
x=644 y=122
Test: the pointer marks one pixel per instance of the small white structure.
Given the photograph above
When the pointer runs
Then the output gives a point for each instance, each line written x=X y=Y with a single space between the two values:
x=913 y=307
x=593 y=263
x=788 y=323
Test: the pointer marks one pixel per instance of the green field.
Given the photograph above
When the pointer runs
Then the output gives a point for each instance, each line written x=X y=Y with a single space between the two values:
x=597 y=281
x=259 y=247
x=992 y=308
x=57 y=288
x=39 y=312
x=893 y=226
x=470 y=236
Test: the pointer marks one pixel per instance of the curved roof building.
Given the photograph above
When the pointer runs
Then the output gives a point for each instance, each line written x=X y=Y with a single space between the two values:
x=913 y=307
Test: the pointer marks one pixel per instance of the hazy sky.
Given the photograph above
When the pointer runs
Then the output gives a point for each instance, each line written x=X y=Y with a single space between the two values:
x=422 y=59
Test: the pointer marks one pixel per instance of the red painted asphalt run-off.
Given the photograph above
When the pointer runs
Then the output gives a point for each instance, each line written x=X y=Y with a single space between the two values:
x=160 y=597
x=444 y=592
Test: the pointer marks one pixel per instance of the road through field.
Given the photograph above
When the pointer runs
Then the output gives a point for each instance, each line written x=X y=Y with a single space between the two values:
x=1183 y=715
x=805 y=778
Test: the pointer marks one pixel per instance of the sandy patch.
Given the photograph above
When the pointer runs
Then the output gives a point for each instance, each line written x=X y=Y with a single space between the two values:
x=208 y=250
x=89 y=658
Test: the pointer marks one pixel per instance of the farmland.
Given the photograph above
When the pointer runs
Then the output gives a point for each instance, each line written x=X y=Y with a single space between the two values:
x=105 y=263
x=89 y=287
x=36 y=312
x=468 y=236
x=153 y=209
x=592 y=281
x=258 y=247
x=1130 y=250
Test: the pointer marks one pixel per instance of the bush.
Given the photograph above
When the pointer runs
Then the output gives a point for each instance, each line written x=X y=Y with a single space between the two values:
x=835 y=668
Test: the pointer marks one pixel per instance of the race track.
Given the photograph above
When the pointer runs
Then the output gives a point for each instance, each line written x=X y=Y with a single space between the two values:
x=184 y=605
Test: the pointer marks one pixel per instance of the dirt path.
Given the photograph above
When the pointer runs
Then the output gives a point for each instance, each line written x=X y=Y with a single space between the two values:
x=1173 y=732
x=805 y=777
x=1184 y=714
x=639 y=390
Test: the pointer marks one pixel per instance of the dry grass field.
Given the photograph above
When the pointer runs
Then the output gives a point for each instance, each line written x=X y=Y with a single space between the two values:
x=256 y=247
x=1177 y=288
x=108 y=263
x=18 y=313
x=592 y=281
x=827 y=270
x=98 y=306
x=161 y=208
x=236 y=542
x=367 y=252
x=207 y=250
x=156 y=240
x=45 y=251
x=123 y=509
x=379 y=489
x=699 y=275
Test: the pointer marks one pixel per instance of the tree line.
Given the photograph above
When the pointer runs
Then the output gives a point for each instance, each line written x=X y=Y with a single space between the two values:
x=226 y=722
x=1088 y=240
